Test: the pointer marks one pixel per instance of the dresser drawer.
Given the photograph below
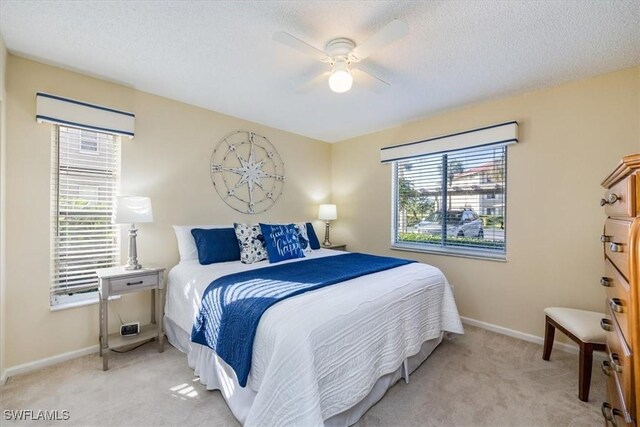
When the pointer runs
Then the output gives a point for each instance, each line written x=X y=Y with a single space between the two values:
x=620 y=199
x=129 y=284
x=616 y=244
x=618 y=300
x=621 y=364
x=614 y=408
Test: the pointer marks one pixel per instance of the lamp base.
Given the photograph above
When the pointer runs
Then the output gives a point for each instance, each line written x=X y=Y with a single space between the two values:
x=132 y=262
x=326 y=242
x=130 y=267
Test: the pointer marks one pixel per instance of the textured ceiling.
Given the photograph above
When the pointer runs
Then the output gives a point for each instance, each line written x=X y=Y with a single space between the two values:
x=220 y=55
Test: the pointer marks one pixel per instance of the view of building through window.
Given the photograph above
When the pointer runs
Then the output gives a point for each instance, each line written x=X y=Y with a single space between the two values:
x=452 y=201
x=85 y=182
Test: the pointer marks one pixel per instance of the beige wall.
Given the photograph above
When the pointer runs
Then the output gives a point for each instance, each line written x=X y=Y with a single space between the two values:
x=571 y=136
x=168 y=160
x=3 y=63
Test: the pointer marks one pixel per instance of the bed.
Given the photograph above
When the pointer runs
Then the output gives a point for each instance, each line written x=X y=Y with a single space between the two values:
x=323 y=357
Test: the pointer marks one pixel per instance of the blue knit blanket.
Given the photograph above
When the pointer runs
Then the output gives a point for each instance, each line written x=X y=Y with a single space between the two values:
x=233 y=305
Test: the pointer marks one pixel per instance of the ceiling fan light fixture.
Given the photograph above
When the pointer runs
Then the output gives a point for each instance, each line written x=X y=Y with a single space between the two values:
x=340 y=81
x=341 y=52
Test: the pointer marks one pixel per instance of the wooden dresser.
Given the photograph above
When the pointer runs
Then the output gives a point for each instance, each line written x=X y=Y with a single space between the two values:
x=621 y=240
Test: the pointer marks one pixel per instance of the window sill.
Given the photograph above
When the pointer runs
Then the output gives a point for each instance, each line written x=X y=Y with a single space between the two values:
x=461 y=253
x=81 y=303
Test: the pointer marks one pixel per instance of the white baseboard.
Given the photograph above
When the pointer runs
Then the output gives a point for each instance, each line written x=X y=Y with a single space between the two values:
x=47 y=361
x=569 y=348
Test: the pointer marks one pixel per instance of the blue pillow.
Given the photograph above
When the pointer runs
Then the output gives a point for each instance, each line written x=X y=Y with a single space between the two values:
x=313 y=239
x=282 y=242
x=216 y=245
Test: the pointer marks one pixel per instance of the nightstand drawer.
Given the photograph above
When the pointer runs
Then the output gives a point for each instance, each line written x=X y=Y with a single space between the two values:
x=131 y=284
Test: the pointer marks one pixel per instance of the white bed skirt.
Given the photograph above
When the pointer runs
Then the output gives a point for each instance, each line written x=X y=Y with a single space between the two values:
x=215 y=374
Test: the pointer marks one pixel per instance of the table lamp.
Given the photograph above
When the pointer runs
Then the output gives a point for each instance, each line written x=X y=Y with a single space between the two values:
x=327 y=213
x=133 y=210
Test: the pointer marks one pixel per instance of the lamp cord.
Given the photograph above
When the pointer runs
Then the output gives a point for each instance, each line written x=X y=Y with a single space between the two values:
x=132 y=348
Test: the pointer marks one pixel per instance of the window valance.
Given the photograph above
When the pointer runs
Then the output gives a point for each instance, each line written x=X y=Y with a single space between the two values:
x=494 y=135
x=70 y=112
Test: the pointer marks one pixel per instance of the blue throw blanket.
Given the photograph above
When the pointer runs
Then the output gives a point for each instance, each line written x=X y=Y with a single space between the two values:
x=233 y=305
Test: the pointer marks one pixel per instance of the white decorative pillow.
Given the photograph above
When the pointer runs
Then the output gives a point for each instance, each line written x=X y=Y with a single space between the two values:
x=251 y=242
x=186 y=243
x=301 y=228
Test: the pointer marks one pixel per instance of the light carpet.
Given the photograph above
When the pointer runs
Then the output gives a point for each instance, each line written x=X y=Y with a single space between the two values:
x=479 y=379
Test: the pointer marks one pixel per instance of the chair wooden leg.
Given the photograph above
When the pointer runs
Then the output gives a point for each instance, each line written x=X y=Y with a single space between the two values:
x=586 y=362
x=549 y=335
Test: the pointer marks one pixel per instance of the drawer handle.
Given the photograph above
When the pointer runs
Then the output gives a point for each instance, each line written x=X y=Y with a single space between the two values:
x=616 y=305
x=604 y=238
x=610 y=200
x=613 y=197
x=605 y=324
x=135 y=283
x=606 y=282
x=615 y=247
x=607 y=413
x=615 y=362
x=606 y=368
x=610 y=414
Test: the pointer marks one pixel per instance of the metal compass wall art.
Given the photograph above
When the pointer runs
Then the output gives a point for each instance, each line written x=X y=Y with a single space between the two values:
x=247 y=172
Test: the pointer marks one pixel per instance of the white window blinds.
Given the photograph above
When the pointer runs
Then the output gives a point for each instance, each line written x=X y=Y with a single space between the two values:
x=453 y=202
x=85 y=178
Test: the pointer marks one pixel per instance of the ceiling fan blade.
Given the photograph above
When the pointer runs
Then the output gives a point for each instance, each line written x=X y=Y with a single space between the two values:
x=372 y=82
x=299 y=45
x=314 y=83
x=394 y=30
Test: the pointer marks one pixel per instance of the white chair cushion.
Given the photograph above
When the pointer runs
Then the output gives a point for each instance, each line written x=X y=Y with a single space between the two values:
x=583 y=324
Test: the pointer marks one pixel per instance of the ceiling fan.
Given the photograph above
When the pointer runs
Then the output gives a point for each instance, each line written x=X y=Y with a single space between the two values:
x=342 y=54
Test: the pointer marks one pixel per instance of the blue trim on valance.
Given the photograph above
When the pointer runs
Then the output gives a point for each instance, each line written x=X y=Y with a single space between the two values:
x=504 y=142
x=450 y=135
x=85 y=104
x=81 y=125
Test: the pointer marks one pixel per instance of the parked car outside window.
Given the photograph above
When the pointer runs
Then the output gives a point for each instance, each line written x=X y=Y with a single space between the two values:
x=460 y=223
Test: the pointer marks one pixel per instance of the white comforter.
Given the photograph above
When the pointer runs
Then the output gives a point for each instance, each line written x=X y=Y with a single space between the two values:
x=317 y=354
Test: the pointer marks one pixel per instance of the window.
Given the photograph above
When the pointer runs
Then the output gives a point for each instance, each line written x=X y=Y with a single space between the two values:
x=83 y=195
x=451 y=203
x=89 y=141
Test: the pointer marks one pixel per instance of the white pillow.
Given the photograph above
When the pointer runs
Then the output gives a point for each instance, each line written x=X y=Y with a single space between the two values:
x=186 y=243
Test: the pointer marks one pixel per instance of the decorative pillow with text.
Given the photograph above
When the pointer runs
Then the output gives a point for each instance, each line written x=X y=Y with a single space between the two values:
x=282 y=242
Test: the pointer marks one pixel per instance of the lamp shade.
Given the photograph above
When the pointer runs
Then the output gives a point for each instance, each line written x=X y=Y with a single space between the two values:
x=133 y=210
x=327 y=212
